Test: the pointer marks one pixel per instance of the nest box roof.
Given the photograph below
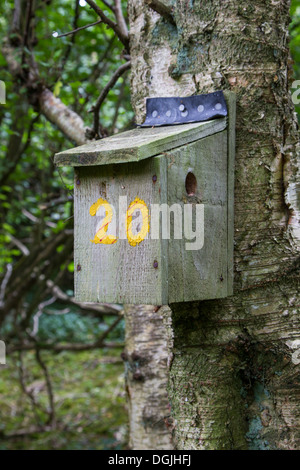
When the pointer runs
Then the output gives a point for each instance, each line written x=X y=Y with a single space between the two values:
x=137 y=144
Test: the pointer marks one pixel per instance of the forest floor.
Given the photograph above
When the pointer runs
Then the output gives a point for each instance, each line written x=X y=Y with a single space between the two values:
x=89 y=402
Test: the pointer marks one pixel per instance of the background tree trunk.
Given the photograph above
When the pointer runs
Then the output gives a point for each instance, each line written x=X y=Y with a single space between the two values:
x=146 y=379
x=233 y=375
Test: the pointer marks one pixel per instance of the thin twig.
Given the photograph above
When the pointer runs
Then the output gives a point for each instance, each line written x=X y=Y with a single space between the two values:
x=100 y=67
x=20 y=151
x=70 y=45
x=57 y=312
x=108 y=330
x=108 y=5
x=35 y=219
x=16 y=16
x=50 y=393
x=19 y=245
x=122 y=69
x=163 y=9
x=120 y=17
x=116 y=27
x=26 y=42
x=79 y=29
x=39 y=313
x=29 y=132
x=4 y=283
x=117 y=107
x=100 y=309
x=29 y=268
x=34 y=404
x=73 y=347
x=55 y=202
x=21 y=433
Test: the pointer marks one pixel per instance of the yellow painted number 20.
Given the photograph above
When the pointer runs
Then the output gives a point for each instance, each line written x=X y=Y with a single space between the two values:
x=103 y=209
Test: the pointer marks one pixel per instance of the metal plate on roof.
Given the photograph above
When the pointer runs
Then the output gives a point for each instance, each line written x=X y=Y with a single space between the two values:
x=171 y=111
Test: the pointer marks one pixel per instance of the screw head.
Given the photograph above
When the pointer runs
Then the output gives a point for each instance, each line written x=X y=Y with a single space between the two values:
x=154 y=178
x=78 y=182
x=78 y=267
x=155 y=264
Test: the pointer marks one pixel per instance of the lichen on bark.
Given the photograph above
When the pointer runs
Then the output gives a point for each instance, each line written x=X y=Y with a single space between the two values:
x=234 y=373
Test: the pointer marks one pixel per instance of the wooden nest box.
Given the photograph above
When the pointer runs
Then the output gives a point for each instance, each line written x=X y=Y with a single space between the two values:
x=153 y=213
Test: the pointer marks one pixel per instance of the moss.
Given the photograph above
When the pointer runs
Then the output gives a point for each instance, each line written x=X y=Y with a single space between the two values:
x=89 y=396
x=186 y=60
x=164 y=31
x=229 y=362
x=253 y=435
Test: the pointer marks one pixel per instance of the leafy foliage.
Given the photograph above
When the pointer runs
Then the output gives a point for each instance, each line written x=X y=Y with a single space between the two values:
x=36 y=216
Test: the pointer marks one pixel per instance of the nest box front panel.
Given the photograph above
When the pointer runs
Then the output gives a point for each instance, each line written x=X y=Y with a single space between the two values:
x=114 y=258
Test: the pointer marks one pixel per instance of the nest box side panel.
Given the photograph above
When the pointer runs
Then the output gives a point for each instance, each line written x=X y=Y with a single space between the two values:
x=197 y=175
x=118 y=272
x=231 y=104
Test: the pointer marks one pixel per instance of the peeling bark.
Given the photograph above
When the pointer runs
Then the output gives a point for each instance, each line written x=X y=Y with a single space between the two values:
x=146 y=359
x=234 y=376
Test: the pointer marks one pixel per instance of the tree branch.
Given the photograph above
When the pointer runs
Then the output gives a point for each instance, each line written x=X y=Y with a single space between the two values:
x=123 y=68
x=97 y=308
x=117 y=107
x=164 y=10
x=26 y=390
x=49 y=387
x=16 y=22
x=118 y=29
x=19 y=245
x=120 y=17
x=70 y=45
x=21 y=433
x=79 y=29
x=29 y=268
x=69 y=122
x=75 y=347
x=15 y=151
x=27 y=25
x=108 y=5
x=9 y=270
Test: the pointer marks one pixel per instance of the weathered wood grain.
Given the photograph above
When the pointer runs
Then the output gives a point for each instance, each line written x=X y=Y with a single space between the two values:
x=137 y=144
x=155 y=271
x=158 y=271
x=200 y=274
x=231 y=105
x=119 y=272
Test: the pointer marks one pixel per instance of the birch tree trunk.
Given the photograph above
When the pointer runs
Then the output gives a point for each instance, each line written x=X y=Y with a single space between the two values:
x=233 y=364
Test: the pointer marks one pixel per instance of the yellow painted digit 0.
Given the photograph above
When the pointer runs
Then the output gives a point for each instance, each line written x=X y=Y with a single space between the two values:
x=140 y=205
x=101 y=235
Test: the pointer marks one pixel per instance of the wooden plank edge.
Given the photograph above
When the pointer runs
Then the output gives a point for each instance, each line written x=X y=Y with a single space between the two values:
x=230 y=98
x=144 y=151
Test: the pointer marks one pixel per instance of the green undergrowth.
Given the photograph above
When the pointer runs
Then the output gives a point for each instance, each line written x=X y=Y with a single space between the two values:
x=89 y=401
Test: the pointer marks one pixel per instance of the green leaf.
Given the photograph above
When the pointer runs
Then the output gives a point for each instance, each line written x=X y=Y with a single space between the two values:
x=57 y=88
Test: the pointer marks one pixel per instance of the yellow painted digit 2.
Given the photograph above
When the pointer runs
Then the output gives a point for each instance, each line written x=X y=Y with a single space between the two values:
x=101 y=235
